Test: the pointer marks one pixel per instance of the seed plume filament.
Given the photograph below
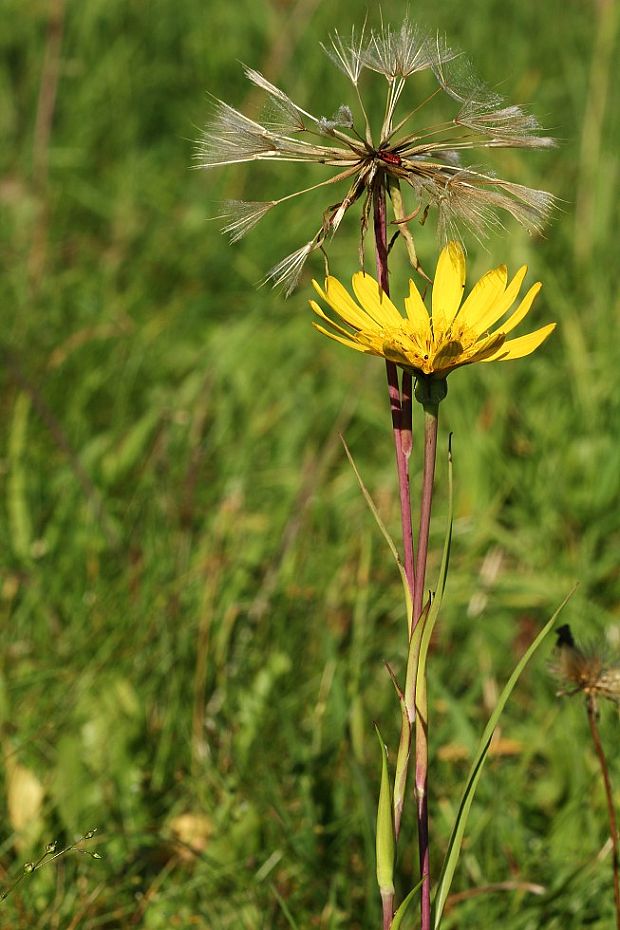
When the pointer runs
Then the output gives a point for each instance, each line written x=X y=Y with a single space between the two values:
x=426 y=157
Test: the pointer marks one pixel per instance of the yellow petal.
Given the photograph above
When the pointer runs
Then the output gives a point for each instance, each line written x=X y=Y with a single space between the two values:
x=417 y=313
x=524 y=345
x=448 y=287
x=375 y=301
x=450 y=356
x=486 y=347
x=486 y=292
x=343 y=304
x=339 y=329
x=346 y=342
x=400 y=350
x=522 y=310
x=503 y=303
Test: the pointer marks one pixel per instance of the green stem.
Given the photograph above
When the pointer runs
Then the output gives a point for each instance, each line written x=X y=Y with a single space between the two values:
x=431 y=414
x=387 y=906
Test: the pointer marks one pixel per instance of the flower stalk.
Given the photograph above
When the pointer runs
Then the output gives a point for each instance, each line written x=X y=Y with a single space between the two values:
x=400 y=403
x=413 y=718
x=430 y=393
x=611 y=812
x=426 y=392
x=589 y=671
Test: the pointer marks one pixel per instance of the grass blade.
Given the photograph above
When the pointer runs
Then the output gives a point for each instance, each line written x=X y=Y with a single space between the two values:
x=404 y=907
x=285 y=909
x=458 y=830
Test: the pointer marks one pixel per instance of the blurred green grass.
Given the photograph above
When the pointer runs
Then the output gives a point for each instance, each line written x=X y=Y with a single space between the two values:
x=195 y=604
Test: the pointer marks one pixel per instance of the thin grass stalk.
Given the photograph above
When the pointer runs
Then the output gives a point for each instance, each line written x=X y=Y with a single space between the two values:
x=611 y=812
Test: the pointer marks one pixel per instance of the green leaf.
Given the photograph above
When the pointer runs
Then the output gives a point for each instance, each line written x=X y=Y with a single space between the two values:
x=404 y=906
x=285 y=908
x=458 y=830
x=385 y=827
x=17 y=497
x=402 y=757
x=134 y=447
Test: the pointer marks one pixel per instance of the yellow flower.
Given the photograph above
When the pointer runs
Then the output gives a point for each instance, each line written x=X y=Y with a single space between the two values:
x=456 y=332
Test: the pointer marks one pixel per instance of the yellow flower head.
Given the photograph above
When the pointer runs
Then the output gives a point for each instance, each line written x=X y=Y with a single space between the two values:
x=456 y=332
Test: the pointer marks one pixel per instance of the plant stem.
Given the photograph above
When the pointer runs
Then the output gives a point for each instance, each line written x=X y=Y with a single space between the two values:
x=613 y=828
x=400 y=408
x=421 y=793
x=387 y=905
x=431 y=415
x=407 y=430
x=402 y=413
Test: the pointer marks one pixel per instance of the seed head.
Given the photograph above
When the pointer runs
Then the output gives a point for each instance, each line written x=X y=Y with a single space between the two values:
x=588 y=670
x=425 y=158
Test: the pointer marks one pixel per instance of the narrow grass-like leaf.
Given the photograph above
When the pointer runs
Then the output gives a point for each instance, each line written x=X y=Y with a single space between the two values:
x=392 y=546
x=404 y=907
x=385 y=827
x=285 y=909
x=458 y=830
x=133 y=447
x=402 y=757
x=17 y=499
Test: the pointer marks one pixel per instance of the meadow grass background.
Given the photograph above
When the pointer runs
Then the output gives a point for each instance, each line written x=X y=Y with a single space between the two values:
x=195 y=602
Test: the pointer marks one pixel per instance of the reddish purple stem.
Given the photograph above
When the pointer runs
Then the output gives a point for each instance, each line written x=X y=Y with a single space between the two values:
x=401 y=408
x=387 y=904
